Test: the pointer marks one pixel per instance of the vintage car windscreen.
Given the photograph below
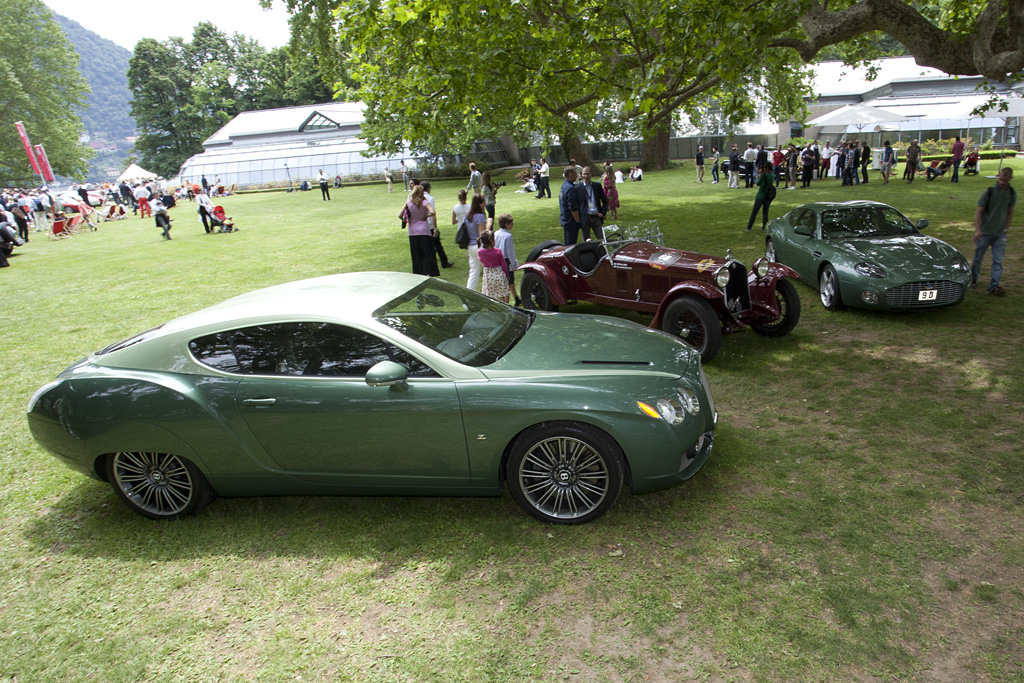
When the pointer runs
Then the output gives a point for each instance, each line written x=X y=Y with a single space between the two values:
x=310 y=349
x=864 y=221
x=461 y=324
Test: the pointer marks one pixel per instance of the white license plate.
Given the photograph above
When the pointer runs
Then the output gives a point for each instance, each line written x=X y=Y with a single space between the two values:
x=928 y=295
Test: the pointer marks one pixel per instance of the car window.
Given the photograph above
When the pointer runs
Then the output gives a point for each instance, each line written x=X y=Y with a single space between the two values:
x=309 y=349
x=863 y=221
x=805 y=218
x=464 y=325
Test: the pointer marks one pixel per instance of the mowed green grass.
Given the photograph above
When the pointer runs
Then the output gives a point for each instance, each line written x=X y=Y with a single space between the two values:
x=859 y=520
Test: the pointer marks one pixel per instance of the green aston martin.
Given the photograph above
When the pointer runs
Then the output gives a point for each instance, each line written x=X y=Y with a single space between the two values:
x=868 y=255
x=382 y=384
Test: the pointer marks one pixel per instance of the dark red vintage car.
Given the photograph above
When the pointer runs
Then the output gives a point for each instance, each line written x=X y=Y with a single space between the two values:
x=695 y=296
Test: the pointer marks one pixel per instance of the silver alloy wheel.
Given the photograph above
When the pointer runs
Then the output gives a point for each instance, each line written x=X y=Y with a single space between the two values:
x=829 y=287
x=564 y=477
x=158 y=483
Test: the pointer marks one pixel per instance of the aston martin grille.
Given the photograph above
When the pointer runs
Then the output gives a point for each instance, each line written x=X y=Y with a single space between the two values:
x=924 y=294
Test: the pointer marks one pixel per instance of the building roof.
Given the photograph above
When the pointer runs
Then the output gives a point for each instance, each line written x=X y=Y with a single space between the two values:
x=270 y=122
x=833 y=79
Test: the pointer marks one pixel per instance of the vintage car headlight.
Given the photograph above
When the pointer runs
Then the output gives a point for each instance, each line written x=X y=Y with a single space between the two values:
x=960 y=263
x=871 y=270
x=722 y=277
x=761 y=267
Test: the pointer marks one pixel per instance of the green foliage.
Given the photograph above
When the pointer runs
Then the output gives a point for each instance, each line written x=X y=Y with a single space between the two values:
x=41 y=87
x=183 y=92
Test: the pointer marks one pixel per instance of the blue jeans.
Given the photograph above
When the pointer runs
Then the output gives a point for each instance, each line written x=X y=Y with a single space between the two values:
x=998 y=244
x=714 y=172
x=956 y=171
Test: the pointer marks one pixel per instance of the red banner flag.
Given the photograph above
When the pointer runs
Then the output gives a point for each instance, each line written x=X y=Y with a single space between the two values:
x=28 y=146
x=44 y=163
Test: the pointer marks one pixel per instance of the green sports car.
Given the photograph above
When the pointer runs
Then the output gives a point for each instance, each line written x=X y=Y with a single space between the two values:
x=382 y=384
x=868 y=255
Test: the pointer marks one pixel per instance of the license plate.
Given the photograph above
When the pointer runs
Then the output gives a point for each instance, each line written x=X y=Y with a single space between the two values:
x=928 y=295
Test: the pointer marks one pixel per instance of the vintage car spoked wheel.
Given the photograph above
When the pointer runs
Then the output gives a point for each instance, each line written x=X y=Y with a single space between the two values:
x=828 y=287
x=565 y=472
x=769 y=250
x=159 y=485
x=695 y=322
x=788 y=302
x=535 y=293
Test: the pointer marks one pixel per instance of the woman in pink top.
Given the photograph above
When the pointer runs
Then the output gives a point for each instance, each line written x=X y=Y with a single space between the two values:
x=495 y=277
x=421 y=237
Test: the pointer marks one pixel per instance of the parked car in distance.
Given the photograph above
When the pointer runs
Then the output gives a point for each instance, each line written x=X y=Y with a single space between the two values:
x=868 y=255
x=382 y=384
x=694 y=296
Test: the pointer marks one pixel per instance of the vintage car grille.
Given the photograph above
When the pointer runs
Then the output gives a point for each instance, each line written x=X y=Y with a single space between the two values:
x=737 y=292
x=909 y=295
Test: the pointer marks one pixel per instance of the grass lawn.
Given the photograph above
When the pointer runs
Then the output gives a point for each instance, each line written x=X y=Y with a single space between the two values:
x=861 y=518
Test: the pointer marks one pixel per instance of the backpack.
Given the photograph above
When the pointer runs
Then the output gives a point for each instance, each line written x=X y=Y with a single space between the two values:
x=988 y=197
x=772 y=191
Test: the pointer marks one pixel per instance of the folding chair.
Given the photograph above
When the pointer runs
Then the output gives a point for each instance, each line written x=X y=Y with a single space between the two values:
x=59 y=229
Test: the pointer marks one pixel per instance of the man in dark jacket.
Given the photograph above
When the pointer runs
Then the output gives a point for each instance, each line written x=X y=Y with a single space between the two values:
x=593 y=206
x=569 y=207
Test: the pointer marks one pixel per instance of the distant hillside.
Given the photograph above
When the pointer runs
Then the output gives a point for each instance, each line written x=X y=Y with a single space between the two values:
x=107 y=119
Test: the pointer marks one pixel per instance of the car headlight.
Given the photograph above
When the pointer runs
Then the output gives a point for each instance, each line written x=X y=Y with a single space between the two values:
x=871 y=270
x=722 y=277
x=761 y=267
x=960 y=264
x=689 y=401
x=671 y=410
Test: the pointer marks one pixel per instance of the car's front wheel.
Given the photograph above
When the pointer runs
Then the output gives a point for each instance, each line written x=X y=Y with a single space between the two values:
x=159 y=485
x=788 y=302
x=828 y=289
x=535 y=293
x=694 y=321
x=565 y=472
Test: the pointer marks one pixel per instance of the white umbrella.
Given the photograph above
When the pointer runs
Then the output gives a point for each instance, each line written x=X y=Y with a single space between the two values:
x=858 y=115
x=1014 y=107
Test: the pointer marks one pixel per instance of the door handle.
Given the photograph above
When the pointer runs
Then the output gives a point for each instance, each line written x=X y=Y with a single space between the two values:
x=259 y=401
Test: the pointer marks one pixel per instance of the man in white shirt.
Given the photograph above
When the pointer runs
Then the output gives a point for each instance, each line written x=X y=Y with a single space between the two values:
x=749 y=157
x=432 y=220
x=205 y=210
x=142 y=197
x=544 y=185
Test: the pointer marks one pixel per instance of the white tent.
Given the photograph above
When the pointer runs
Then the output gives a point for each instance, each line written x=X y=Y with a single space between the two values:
x=135 y=172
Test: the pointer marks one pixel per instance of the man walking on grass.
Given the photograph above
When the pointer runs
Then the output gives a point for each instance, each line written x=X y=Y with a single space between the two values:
x=991 y=221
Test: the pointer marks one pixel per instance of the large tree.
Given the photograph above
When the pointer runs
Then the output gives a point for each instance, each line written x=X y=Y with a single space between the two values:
x=437 y=70
x=41 y=87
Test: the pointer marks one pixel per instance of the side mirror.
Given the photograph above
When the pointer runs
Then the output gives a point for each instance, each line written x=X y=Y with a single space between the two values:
x=922 y=224
x=386 y=374
x=804 y=230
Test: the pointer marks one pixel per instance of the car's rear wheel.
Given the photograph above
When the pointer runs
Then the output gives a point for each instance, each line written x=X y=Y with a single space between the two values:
x=565 y=472
x=694 y=321
x=769 y=250
x=541 y=248
x=828 y=289
x=788 y=301
x=159 y=485
x=535 y=293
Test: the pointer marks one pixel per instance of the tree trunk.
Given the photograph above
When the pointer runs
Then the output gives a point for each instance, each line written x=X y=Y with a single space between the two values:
x=654 y=156
x=574 y=149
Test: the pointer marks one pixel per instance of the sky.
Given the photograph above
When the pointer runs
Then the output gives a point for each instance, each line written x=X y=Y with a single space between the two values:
x=126 y=24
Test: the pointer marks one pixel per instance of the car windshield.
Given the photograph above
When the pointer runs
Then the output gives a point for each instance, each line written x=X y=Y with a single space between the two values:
x=616 y=236
x=864 y=221
x=465 y=326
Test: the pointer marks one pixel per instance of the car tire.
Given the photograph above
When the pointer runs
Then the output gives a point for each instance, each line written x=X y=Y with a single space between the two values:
x=788 y=302
x=565 y=472
x=159 y=485
x=541 y=248
x=769 y=251
x=535 y=293
x=828 y=289
x=694 y=321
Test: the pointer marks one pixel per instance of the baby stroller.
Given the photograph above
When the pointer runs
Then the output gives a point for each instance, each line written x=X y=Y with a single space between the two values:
x=220 y=221
x=9 y=239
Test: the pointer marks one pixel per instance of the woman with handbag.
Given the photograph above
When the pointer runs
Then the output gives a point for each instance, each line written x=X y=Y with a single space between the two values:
x=421 y=237
x=476 y=222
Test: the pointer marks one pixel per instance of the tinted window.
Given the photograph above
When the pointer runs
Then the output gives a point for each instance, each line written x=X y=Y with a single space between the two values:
x=310 y=349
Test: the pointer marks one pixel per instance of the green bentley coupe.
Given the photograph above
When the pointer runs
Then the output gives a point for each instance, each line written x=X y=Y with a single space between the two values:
x=382 y=384
x=868 y=255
